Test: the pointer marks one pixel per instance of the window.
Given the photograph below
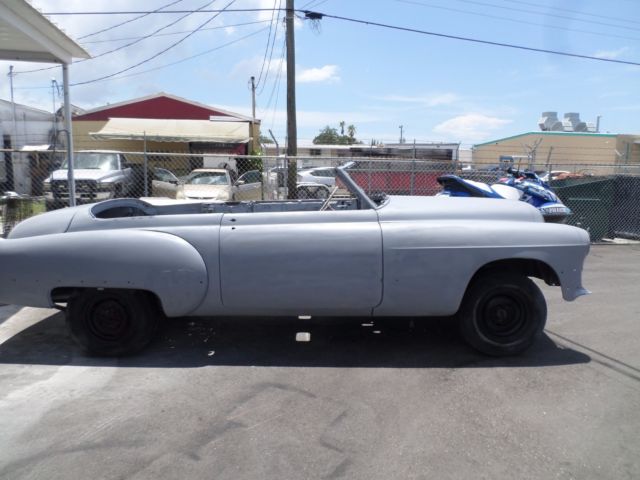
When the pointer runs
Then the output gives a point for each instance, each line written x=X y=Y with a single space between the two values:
x=252 y=176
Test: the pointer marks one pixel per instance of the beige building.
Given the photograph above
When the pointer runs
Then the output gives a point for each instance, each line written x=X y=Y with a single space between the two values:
x=572 y=151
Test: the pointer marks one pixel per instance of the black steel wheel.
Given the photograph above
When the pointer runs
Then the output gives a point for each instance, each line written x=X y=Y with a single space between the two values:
x=112 y=322
x=502 y=313
x=322 y=193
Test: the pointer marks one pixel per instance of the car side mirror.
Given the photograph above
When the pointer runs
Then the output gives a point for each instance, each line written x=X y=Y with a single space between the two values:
x=240 y=182
x=175 y=182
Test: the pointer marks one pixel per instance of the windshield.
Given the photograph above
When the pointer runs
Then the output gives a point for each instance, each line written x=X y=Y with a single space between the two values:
x=208 y=178
x=94 y=161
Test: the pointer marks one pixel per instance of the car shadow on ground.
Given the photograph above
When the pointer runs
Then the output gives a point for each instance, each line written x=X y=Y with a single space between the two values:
x=344 y=342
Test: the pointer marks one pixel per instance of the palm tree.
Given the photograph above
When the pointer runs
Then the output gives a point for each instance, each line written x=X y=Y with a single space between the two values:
x=342 y=124
x=351 y=129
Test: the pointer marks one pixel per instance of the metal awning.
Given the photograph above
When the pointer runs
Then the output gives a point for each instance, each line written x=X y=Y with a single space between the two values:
x=157 y=130
x=27 y=35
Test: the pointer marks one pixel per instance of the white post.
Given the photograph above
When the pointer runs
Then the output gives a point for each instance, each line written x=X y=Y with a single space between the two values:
x=67 y=126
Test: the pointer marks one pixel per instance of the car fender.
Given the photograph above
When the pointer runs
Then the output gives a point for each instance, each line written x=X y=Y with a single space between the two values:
x=158 y=262
x=428 y=267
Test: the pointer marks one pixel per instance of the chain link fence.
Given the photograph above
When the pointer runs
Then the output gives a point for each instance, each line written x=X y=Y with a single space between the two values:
x=604 y=198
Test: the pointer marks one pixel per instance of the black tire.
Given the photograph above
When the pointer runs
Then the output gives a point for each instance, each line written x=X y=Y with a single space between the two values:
x=322 y=193
x=112 y=322
x=502 y=314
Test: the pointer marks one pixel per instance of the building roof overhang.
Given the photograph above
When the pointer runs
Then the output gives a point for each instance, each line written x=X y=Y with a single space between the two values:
x=27 y=35
x=152 y=129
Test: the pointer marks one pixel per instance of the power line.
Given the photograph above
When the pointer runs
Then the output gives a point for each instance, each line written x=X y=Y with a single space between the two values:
x=266 y=50
x=276 y=82
x=138 y=12
x=317 y=15
x=127 y=21
x=152 y=34
x=564 y=17
x=202 y=25
x=273 y=43
x=93 y=57
x=508 y=19
x=615 y=19
x=168 y=34
x=191 y=57
x=160 y=67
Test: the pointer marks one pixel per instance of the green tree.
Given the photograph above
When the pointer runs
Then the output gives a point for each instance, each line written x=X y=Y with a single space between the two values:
x=330 y=136
x=327 y=136
x=342 y=124
x=265 y=139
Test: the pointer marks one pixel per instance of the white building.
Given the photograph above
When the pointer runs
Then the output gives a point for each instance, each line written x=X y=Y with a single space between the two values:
x=32 y=128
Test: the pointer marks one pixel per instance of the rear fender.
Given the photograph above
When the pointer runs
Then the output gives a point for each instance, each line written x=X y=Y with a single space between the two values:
x=158 y=262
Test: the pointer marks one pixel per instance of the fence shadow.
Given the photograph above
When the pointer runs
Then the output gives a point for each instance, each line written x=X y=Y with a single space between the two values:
x=200 y=342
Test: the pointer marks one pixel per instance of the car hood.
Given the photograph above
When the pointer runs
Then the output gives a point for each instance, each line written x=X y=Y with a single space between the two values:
x=456 y=208
x=83 y=174
x=219 y=192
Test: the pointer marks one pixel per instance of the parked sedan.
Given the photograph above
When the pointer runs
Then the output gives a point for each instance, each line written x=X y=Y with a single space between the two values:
x=217 y=184
x=117 y=267
x=324 y=175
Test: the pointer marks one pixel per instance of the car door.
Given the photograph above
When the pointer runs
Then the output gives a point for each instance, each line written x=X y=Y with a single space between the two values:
x=295 y=263
x=249 y=186
x=164 y=183
x=325 y=176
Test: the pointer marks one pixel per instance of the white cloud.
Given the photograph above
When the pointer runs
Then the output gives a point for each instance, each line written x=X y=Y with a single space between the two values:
x=251 y=66
x=433 y=100
x=470 y=127
x=328 y=73
x=612 y=54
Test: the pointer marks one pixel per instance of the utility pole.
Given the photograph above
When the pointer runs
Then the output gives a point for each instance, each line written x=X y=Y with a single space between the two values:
x=256 y=141
x=292 y=135
x=401 y=137
x=54 y=90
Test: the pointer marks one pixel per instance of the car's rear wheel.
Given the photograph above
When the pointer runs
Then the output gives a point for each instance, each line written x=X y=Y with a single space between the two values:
x=502 y=313
x=112 y=322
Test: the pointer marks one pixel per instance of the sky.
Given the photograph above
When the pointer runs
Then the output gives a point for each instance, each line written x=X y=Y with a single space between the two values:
x=375 y=78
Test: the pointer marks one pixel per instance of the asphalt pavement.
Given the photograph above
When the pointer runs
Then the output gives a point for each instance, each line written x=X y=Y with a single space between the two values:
x=394 y=399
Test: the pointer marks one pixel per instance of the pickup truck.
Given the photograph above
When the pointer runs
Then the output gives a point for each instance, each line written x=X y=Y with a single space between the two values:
x=99 y=175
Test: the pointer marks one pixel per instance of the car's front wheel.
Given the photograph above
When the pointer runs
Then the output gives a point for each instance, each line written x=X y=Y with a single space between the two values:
x=112 y=322
x=502 y=313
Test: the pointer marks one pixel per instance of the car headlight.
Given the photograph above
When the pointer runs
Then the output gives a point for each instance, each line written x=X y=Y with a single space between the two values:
x=180 y=194
x=46 y=187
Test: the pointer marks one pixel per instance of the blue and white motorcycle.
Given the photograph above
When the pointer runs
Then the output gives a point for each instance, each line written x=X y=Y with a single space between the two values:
x=519 y=185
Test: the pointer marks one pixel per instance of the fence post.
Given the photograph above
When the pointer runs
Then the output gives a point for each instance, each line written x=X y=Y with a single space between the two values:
x=413 y=177
x=146 y=166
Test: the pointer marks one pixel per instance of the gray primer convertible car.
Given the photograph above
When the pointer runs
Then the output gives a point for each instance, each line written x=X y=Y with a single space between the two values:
x=117 y=266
